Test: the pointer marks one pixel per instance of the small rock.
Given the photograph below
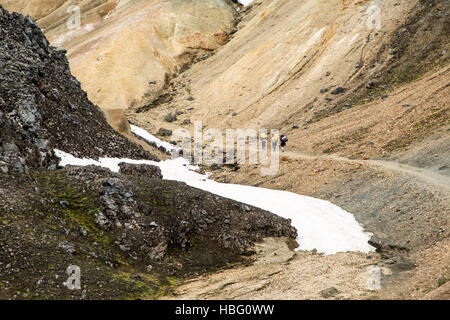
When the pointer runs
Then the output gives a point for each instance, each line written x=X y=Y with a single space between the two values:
x=329 y=293
x=67 y=246
x=441 y=281
x=136 y=277
x=164 y=132
x=390 y=261
x=4 y=167
x=64 y=204
x=338 y=90
x=370 y=85
x=72 y=107
x=84 y=232
x=170 y=117
x=214 y=167
x=124 y=247
x=102 y=221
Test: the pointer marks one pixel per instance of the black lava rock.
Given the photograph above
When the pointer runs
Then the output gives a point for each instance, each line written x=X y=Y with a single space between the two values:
x=42 y=106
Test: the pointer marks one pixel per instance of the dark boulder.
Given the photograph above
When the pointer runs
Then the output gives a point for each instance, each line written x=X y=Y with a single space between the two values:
x=338 y=90
x=140 y=170
x=164 y=132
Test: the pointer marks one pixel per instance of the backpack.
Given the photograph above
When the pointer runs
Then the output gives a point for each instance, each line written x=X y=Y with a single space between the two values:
x=275 y=138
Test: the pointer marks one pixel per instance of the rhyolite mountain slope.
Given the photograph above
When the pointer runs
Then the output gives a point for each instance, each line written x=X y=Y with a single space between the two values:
x=124 y=51
x=132 y=234
x=366 y=110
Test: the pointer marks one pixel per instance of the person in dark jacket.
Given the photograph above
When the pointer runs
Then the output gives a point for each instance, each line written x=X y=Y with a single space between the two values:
x=283 y=140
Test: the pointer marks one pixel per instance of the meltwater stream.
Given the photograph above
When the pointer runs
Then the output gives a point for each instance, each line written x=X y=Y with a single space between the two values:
x=321 y=225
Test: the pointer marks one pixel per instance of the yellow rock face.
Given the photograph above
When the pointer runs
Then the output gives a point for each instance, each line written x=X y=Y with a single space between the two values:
x=37 y=9
x=122 y=51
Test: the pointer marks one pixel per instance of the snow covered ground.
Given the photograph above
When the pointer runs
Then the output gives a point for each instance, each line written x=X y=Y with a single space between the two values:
x=320 y=224
x=151 y=138
x=245 y=2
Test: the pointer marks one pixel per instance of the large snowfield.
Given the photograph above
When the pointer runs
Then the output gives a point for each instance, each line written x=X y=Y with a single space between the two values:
x=320 y=224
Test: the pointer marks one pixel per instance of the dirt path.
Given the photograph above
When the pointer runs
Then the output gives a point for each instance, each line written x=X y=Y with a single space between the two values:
x=428 y=176
x=279 y=273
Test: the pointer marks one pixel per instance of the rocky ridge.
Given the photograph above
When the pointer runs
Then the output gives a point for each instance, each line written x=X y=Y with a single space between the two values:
x=132 y=234
x=42 y=106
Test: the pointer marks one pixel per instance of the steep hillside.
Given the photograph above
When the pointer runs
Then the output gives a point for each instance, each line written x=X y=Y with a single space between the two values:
x=43 y=106
x=132 y=234
x=366 y=112
x=282 y=67
x=124 y=51
x=360 y=87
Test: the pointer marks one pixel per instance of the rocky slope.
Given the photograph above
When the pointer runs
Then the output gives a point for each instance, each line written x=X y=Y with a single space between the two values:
x=124 y=51
x=285 y=64
x=365 y=109
x=132 y=234
x=366 y=112
x=42 y=106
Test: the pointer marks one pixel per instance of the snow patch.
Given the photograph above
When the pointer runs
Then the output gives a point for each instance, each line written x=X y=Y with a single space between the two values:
x=245 y=2
x=151 y=138
x=321 y=225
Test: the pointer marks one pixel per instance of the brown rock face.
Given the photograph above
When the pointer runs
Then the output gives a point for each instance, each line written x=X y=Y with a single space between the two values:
x=42 y=106
x=124 y=51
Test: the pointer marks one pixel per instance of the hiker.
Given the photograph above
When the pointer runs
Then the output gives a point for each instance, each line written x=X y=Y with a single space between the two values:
x=263 y=139
x=274 y=141
x=283 y=140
